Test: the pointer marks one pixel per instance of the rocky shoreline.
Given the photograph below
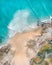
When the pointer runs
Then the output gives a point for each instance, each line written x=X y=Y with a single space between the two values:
x=6 y=55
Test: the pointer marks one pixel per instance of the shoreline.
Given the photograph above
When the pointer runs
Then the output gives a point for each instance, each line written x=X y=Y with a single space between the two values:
x=18 y=43
x=18 y=34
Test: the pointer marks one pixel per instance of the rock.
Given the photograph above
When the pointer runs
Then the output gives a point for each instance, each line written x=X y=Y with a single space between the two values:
x=6 y=55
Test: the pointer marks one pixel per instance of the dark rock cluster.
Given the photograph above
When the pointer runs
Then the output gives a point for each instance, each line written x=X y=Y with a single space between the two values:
x=6 y=55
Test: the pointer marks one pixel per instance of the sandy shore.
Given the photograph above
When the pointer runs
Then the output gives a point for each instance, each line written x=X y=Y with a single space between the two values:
x=18 y=43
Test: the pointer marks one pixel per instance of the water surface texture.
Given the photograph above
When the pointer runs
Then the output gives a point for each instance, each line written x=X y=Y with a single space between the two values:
x=39 y=9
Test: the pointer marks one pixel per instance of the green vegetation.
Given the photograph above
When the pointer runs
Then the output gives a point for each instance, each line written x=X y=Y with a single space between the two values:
x=50 y=60
x=50 y=41
x=45 y=63
x=37 y=60
x=41 y=55
x=46 y=48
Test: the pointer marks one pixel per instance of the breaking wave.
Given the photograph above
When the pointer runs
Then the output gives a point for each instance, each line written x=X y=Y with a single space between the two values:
x=19 y=23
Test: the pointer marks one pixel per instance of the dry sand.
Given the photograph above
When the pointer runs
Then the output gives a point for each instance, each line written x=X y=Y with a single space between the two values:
x=19 y=42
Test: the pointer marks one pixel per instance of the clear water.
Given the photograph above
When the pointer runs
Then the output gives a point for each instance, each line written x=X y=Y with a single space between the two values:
x=39 y=9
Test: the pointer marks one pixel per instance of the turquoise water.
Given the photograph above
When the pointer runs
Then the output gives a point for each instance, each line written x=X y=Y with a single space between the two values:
x=39 y=9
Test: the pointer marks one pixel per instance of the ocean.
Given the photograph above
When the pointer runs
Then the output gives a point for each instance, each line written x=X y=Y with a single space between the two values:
x=19 y=15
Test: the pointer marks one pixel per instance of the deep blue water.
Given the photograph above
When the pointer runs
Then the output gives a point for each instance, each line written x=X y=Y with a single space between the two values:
x=39 y=9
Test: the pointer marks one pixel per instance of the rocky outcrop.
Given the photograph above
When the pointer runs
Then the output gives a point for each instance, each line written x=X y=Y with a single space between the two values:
x=6 y=55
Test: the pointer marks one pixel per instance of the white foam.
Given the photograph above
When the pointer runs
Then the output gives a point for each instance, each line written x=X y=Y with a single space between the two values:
x=20 y=22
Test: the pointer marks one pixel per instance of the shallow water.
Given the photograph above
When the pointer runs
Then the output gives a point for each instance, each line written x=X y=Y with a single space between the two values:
x=38 y=9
